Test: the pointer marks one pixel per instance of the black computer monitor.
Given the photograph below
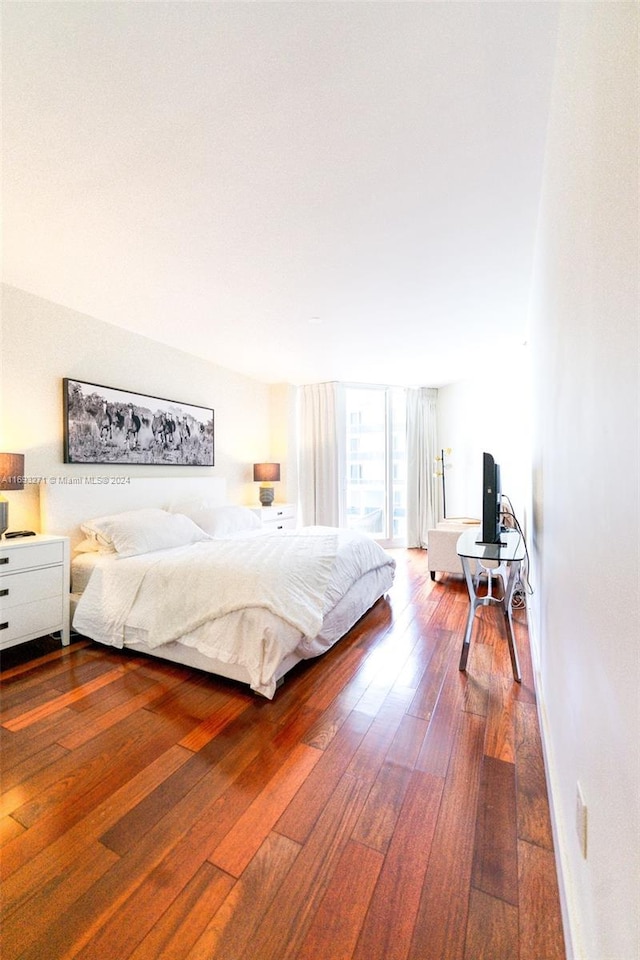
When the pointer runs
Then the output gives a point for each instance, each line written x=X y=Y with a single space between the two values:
x=490 y=531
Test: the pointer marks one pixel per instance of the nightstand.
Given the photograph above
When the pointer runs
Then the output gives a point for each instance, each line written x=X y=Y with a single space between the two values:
x=34 y=589
x=279 y=516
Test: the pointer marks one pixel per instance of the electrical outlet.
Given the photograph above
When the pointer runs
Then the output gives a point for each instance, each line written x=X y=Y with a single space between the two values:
x=581 y=820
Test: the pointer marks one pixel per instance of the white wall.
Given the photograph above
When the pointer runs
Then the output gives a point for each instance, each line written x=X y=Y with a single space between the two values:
x=284 y=441
x=487 y=412
x=585 y=380
x=43 y=342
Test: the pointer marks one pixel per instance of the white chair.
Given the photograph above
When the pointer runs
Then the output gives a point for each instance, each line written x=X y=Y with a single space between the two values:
x=442 y=556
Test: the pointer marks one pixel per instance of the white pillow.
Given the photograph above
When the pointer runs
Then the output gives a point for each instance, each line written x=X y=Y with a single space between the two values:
x=220 y=521
x=92 y=545
x=142 y=531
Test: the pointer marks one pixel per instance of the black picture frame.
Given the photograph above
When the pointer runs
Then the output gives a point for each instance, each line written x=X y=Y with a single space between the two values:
x=109 y=425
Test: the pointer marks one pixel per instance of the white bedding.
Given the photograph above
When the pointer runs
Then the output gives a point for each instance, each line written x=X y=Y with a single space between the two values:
x=251 y=601
x=82 y=566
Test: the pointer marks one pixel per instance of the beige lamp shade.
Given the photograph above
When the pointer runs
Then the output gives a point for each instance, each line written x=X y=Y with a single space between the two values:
x=266 y=472
x=11 y=471
x=11 y=478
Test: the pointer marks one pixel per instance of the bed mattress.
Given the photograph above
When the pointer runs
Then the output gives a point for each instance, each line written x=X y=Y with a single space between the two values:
x=260 y=640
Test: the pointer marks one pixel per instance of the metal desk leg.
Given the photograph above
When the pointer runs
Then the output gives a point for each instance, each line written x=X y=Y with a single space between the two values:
x=489 y=600
x=508 y=622
x=472 y=612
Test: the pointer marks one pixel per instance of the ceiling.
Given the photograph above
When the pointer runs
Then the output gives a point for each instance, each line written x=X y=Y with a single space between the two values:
x=297 y=191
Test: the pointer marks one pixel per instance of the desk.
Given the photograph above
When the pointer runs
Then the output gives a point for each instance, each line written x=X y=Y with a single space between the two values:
x=505 y=559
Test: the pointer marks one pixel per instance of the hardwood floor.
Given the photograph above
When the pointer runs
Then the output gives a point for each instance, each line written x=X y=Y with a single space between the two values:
x=383 y=805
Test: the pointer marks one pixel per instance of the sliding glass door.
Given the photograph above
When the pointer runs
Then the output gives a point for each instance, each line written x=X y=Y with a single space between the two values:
x=375 y=477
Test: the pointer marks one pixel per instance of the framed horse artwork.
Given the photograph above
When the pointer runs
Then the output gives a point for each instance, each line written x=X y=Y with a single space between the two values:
x=109 y=425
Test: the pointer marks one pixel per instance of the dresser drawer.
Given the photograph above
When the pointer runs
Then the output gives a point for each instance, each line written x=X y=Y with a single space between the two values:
x=279 y=523
x=29 y=556
x=30 y=585
x=280 y=516
x=34 y=588
x=30 y=619
x=276 y=512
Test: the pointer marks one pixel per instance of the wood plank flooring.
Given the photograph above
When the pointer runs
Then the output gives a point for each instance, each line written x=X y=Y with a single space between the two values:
x=384 y=806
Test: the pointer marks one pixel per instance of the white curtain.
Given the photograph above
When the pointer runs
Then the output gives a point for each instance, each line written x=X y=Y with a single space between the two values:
x=321 y=421
x=422 y=449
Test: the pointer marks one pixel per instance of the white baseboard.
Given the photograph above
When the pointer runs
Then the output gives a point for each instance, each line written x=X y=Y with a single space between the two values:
x=560 y=845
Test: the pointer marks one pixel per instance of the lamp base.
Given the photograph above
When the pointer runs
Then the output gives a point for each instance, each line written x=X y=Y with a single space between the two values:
x=266 y=496
x=4 y=515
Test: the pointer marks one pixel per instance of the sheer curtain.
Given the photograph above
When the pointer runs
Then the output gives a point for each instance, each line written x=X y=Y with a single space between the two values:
x=422 y=449
x=321 y=420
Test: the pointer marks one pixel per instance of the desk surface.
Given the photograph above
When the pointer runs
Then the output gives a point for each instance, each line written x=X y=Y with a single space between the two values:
x=513 y=548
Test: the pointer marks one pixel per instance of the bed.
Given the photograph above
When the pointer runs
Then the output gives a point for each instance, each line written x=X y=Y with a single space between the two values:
x=168 y=568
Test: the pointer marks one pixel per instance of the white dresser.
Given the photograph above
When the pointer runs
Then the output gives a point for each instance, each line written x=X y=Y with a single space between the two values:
x=34 y=589
x=279 y=516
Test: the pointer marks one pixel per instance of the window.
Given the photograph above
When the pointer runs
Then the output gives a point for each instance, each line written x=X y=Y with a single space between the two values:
x=375 y=495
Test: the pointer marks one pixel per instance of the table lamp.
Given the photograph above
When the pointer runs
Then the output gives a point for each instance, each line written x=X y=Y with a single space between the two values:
x=266 y=474
x=11 y=478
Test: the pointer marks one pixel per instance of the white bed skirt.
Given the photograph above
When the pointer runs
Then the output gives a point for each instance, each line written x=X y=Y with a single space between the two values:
x=337 y=622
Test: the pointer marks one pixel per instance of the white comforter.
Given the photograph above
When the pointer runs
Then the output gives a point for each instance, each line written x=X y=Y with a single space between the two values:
x=247 y=601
